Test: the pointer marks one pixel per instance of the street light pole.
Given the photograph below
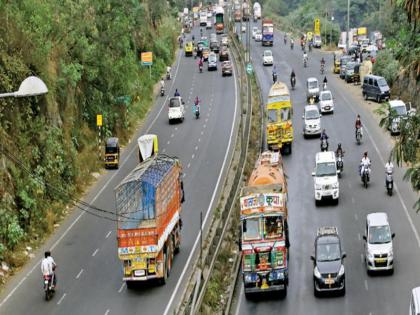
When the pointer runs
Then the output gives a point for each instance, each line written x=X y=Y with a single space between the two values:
x=332 y=24
x=348 y=26
x=31 y=86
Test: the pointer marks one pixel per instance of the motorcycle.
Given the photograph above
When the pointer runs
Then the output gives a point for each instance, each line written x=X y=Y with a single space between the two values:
x=304 y=63
x=340 y=164
x=292 y=45
x=168 y=75
x=322 y=68
x=293 y=82
x=359 y=135
x=274 y=77
x=324 y=145
x=365 y=176
x=162 y=91
x=49 y=287
x=196 y=110
x=285 y=40
x=389 y=183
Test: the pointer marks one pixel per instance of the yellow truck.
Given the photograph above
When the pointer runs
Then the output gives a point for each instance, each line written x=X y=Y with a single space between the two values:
x=279 y=111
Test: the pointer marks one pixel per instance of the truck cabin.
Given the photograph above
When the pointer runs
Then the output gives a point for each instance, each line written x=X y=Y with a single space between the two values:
x=112 y=152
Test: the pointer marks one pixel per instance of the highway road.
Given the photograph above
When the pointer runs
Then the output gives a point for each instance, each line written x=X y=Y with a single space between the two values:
x=89 y=272
x=381 y=294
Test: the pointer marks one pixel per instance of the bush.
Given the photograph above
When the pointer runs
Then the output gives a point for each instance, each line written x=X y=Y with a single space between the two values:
x=386 y=66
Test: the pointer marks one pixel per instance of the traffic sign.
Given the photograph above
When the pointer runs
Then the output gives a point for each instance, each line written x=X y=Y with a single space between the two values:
x=99 y=120
x=146 y=58
x=249 y=68
x=317 y=27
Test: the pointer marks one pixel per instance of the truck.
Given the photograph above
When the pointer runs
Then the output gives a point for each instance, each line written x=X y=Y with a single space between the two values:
x=148 y=211
x=264 y=233
x=219 y=22
x=245 y=11
x=257 y=11
x=267 y=32
x=237 y=12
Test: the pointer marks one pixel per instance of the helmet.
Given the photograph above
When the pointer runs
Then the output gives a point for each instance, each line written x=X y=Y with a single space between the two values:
x=339 y=145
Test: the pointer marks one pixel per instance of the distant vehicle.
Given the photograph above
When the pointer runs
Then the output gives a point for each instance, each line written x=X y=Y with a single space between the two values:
x=325 y=175
x=257 y=11
x=343 y=61
x=245 y=11
x=215 y=47
x=203 y=18
x=243 y=29
x=312 y=89
x=176 y=109
x=399 y=112
x=225 y=40
x=212 y=62
x=352 y=70
x=223 y=54
x=311 y=121
x=375 y=87
x=329 y=273
x=213 y=37
x=188 y=49
x=112 y=153
x=267 y=58
x=206 y=53
x=326 y=102
x=317 y=41
x=209 y=25
x=258 y=36
x=254 y=31
x=415 y=301
x=379 y=254
x=227 y=68
x=219 y=20
x=237 y=15
x=267 y=32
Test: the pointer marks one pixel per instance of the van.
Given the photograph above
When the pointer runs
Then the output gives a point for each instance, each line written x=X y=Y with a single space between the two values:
x=312 y=89
x=415 y=301
x=375 y=87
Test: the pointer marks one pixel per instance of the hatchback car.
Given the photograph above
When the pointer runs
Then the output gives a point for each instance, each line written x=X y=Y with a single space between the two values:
x=212 y=62
x=176 y=109
x=329 y=273
x=379 y=254
x=267 y=58
x=326 y=102
x=258 y=36
x=398 y=111
x=225 y=40
x=254 y=31
x=226 y=68
x=312 y=121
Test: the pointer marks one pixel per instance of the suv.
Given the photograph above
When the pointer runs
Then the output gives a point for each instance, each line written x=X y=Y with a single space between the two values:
x=312 y=121
x=398 y=111
x=351 y=71
x=343 y=61
x=212 y=62
x=326 y=102
x=224 y=54
x=328 y=262
x=378 y=243
x=326 y=177
x=312 y=88
x=376 y=87
x=176 y=109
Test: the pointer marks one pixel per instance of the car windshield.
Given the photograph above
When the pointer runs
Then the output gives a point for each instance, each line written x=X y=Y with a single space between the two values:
x=273 y=227
x=255 y=28
x=258 y=33
x=251 y=229
x=226 y=63
x=272 y=115
x=328 y=251
x=379 y=234
x=326 y=96
x=111 y=149
x=313 y=84
x=325 y=169
x=267 y=53
x=212 y=58
x=174 y=102
x=382 y=82
x=400 y=110
x=312 y=114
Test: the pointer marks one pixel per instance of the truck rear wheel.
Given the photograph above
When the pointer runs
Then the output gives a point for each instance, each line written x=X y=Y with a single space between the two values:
x=165 y=270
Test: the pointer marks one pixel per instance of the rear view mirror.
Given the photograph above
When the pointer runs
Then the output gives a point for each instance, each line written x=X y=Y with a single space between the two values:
x=393 y=235
x=313 y=173
x=312 y=257
x=344 y=255
x=364 y=237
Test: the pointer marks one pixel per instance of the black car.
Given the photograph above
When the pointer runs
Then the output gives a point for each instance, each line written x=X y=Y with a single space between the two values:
x=214 y=46
x=328 y=262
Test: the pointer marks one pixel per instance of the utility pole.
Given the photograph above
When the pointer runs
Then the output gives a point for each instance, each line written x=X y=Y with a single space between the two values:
x=348 y=26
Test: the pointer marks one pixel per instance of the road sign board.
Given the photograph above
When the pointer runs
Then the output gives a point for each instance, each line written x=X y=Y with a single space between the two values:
x=249 y=68
x=99 y=120
x=317 y=27
x=147 y=58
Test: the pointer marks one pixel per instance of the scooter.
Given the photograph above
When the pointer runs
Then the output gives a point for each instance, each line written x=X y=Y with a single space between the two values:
x=162 y=91
x=274 y=77
x=324 y=145
x=322 y=68
x=340 y=164
x=359 y=135
x=365 y=177
x=324 y=86
x=196 y=110
x=292 y=45
x=293 y=82
x=389 y=181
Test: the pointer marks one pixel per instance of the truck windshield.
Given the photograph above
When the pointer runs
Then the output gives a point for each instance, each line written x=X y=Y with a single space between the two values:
x=313 y=84
x=267 y=29
x=285 y=114
x=273 y=227
x=111 y=149
x=272 y=115
x=325 y=169
x=251 y=229
x=379 y=234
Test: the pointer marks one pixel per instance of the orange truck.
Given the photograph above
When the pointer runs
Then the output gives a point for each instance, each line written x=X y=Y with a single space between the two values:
x=148 y=208
x=264 y=237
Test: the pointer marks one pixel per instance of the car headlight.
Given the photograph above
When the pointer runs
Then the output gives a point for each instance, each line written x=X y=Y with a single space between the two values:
x=370 y=255
x=341 y=272
x=391 y=254
x=335 y=185
x=317 y=274
x=318 y=186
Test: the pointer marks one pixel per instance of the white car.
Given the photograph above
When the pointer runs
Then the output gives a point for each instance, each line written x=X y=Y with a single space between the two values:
x=176 y=109
x=312 y=88
x=399 y=109
x=311 y=121
x=208 y=25
x=326 y=102
x=317 y=41
x=379 y=253
x=325 y=175
x=254 y=31
x=225 y=40
x=267 y=58
x=212 y=62
x=258 y=36
x=243 y=29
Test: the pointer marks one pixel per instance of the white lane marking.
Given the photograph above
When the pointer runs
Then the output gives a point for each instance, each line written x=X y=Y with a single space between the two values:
x=193 y=156
x=407 y=214
x=107 y=312
x=238 y=306
x=189 y=164
x=356 y=217
x=109 y=233
x=79 y=274
x=199 y=139
x=362 y=258
x=172 y=135
x=97 y=195
x=176 y=128
x=95 y=252
x=202 y=132
x=168 y=142
x=62 y=298
x=206 y=120
x=121 y=288
x=352 y=200
x=349 y=185
x=204 y=126
x=359 y=237
x=196 y=147
x=163 y=150
x=366 y=285
x=187 y=264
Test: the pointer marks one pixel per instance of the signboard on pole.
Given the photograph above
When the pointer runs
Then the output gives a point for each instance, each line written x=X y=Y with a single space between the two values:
x=99 y=120
x=317 y=27
x=147 y=58
x=249 y=69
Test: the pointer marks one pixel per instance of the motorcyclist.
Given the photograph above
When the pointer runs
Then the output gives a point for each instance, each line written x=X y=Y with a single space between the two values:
x=200 y=64
x=201 y=32
x=358 y=124
x=389 y=168
x=292 y=43
x=285 y=39
x=196 y=108
x=305 y=57
x=274 y=73
x=162 y=83
x=322 y=61
x=292 y=78
x=48 y=266
x=176 y=93
x=325 y=83
x=193 y=38
x=324 y=135
x=339 y=151
x=168 y=72
x=365 y=164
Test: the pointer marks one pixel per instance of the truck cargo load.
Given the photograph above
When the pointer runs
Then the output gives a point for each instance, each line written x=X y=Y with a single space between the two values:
x=267 y=32
x=264 y=239
x=245 y=12
x=219 y=20
x=257 y=11
x=148 y=208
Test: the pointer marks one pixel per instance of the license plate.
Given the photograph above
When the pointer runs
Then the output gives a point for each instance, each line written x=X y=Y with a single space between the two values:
x=380 y=260
x=329 y=281
x=327 y=107
x=139 y=273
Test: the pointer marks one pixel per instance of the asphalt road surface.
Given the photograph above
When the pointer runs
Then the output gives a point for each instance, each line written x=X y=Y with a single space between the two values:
x=89 y=272
x=381 y=294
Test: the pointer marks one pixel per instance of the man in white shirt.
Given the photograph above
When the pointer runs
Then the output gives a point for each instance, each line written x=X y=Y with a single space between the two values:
x=389 y=168
x=364 y=163
x=47 y=266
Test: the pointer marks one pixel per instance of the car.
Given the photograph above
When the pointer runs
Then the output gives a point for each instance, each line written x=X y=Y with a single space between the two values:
x=351 y=69
x=375 y=87
x=379 y=254
x=312 y=89
x=243 y=29
x=343 y=61
x=225 y=40
x=254 y=31
x=267 y=58
x=176 y=109
x=317 y=41
x=227 y=68
x=206 y=53
x=329 y=272
x=188 y=49
x=325 y=175
x=212 y=62
x=258 y=36
x=214 y=46
x=326 y=102
x=223 y=54
x=209 y=25
x=311 y=121
x=398 y=110
x=209 y=14
x=415 y=301
x=213 y=37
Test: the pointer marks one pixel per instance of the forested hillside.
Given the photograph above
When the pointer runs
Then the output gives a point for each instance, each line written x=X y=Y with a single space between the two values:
x=87 y=52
